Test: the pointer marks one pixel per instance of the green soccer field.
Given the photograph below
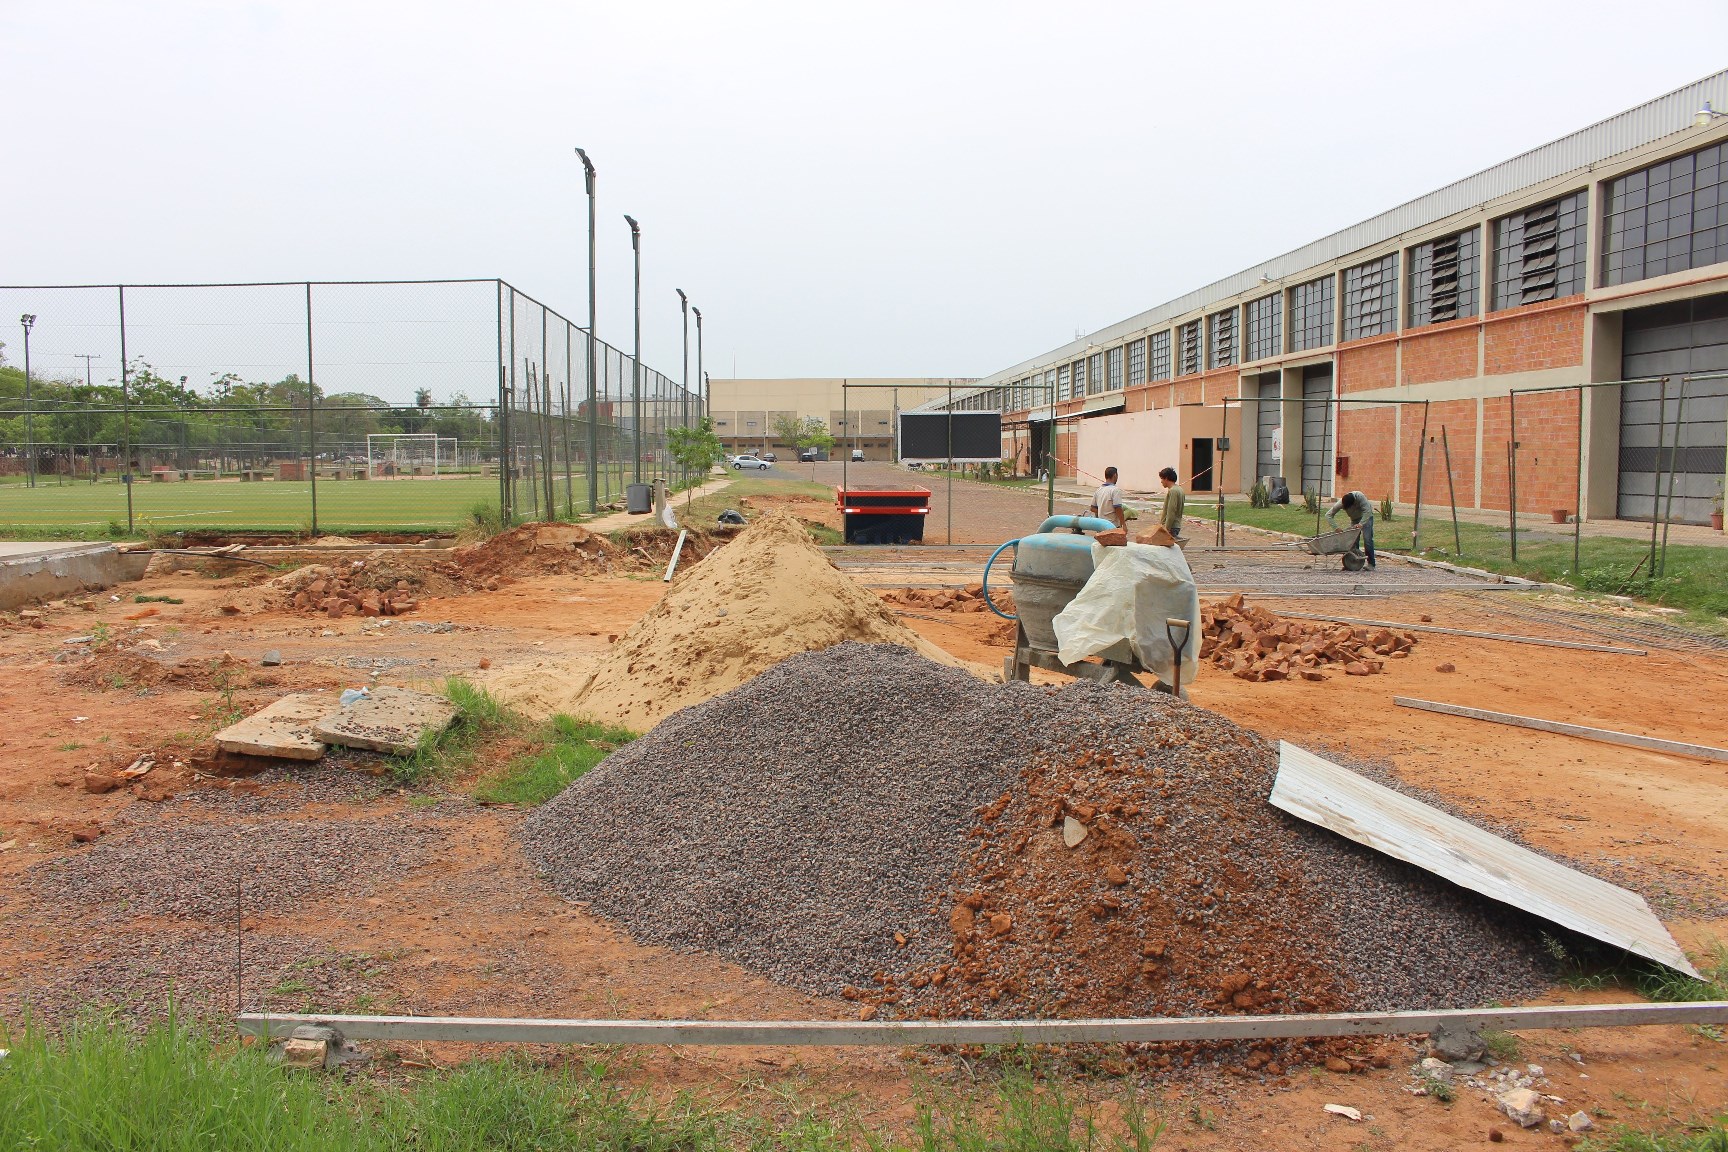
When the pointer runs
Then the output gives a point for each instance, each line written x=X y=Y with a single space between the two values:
x=405 y=505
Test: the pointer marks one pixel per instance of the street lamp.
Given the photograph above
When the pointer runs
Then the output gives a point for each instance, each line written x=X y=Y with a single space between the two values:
x=684 y=381
x=698 y=312
x=28 y=320
x=636 y=367
x=593 y=385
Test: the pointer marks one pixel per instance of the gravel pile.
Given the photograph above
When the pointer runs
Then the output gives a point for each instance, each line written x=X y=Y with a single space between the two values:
x=865 y=821
x=188 y=870
x=795 y=824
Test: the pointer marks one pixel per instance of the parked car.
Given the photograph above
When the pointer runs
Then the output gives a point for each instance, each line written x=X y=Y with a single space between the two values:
x=743 y=462
x=857 y=455
x=808 y=456
x=770 y=457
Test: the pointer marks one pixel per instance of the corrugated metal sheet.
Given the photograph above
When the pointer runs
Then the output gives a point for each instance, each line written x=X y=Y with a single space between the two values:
x=1634 y=128
x=1353 y=806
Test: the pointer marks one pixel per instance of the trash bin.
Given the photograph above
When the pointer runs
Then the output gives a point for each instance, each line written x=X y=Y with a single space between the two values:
x=638 y=498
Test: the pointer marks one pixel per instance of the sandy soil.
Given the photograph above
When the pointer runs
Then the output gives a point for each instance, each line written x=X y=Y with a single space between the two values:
x=470 y=931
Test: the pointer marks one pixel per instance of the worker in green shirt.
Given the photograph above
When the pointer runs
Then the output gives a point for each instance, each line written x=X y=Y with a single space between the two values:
x=1174 y=499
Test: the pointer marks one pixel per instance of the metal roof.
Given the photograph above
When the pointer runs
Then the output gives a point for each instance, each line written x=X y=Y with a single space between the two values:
x=1321 y=792
x=1634 y=128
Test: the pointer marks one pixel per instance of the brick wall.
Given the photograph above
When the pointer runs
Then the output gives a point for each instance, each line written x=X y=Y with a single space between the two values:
x=1161 y=395
x=1367 y=436
x=1367 y=367
x=1447 y=353
x=1188 y=390
x=1548 y=338
x=1218 y=385
x=1067 y=451
x=1458 y=417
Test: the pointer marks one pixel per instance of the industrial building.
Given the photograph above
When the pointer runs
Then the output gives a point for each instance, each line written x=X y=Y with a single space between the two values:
x=1515 y=331
x=860 y=413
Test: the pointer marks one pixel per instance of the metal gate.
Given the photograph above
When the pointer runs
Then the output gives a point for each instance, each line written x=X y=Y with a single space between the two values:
x=1317 y=417
x=1687 y=336
x=1270 y=418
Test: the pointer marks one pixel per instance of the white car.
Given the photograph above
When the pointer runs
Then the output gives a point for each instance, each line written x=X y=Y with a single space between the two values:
x=743 y=462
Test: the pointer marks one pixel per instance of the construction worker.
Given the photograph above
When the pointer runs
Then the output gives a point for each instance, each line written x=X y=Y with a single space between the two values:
x=1361 y=513
x=1174 y=500
x=1107 y=501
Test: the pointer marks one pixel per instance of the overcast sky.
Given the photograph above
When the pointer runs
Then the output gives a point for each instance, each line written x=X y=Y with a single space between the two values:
x=845 y=189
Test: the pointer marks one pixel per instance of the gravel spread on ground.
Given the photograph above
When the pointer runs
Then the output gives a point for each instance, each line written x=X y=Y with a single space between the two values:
x=191 y=869
x=865 y=821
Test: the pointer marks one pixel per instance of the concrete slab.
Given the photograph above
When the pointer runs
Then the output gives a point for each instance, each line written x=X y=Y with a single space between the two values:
x=283 y=730
x=42 y=570
x=387 y=720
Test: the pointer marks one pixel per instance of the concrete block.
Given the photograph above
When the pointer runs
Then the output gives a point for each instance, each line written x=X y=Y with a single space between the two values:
x=388 y=720
x=284 y=730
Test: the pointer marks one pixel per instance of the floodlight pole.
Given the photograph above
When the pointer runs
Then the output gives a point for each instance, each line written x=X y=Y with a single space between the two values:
x=593 y=384
x=27 y=320
x=684 y=380
x=636 y=367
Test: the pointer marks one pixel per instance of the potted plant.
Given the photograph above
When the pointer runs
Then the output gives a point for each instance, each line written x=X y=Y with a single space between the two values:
x=1716 y=508
x=1560 y=515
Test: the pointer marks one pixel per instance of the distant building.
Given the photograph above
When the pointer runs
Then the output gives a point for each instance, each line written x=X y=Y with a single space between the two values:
x=1599 y=260
x=860 y=412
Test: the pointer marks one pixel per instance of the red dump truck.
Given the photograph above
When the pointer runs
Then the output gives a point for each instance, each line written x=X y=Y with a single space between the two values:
x=883 y=515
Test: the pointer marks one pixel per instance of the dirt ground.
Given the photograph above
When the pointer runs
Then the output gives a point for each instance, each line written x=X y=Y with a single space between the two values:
x=468 y=929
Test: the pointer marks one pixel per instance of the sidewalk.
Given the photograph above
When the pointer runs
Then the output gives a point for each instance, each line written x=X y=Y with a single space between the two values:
x=613 y=521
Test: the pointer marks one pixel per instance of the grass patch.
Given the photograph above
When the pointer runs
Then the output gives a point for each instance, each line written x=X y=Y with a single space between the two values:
x=483 y=717
x=1696 y=579
x=1503 y=1046
x=1690 y=1138
x=171 y=1089
x=568 y=748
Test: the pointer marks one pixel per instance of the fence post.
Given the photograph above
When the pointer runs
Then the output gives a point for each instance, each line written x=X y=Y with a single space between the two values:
x=1421 y=459
x=1673 y=462
x=125 y=415
x=502 y=420
x=1512 y=468
x=1656 y=482
x=1578 y=512
x=311 y=411
x=1451 y=493
x=564 y=424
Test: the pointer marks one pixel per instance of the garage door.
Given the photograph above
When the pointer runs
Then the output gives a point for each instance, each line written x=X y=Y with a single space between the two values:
x=1266 y=462
x=1317 y=418
x=1688 y=336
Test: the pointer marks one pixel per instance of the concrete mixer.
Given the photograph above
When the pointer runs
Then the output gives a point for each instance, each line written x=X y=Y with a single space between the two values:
x=1050 y=568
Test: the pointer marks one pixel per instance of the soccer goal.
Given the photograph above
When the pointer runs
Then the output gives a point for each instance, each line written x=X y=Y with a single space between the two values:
x=410 y=453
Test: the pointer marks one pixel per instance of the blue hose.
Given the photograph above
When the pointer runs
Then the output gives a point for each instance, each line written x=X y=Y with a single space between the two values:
x=989 y=603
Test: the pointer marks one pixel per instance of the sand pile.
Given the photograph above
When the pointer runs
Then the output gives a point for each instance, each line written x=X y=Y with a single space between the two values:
x=768 y=595
x=863 y=821
x=1253 y=644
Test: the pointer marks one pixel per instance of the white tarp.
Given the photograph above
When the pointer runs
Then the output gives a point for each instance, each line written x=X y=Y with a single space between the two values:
x=1132 y=591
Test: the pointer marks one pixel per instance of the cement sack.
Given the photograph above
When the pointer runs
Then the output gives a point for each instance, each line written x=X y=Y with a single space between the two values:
x=1131 y=592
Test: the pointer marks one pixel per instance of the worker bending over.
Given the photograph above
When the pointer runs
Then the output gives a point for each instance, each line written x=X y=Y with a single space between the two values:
x=1361 y=513
x=1174 y=500
x=1107 y=501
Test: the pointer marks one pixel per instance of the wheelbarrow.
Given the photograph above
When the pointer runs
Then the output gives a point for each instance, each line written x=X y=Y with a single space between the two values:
x=1343 y=543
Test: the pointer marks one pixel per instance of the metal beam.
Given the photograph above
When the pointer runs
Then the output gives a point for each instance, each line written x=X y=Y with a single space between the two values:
x=1602 y=735
x=847 y=1033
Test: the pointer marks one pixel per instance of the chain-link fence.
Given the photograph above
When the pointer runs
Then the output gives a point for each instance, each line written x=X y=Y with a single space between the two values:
x=407 y=406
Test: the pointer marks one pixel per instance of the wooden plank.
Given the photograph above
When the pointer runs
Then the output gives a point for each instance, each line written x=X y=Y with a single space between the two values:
x=1506 y=636
x=847 y=1033
x=1602 y=735
x=1359 y=809
x=282 y=730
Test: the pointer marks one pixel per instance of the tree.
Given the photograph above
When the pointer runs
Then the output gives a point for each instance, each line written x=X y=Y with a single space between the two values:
x=696 y=450
x=422 y=398
x=812 y=433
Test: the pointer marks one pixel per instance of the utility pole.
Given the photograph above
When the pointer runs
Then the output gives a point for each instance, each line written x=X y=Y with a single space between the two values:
x=28 y=321
x=593 y=383
x=684 y=380
x=636 y=366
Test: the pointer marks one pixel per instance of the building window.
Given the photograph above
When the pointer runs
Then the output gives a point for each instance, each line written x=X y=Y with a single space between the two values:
x=1188 y=348
x=1539 y=253
x=1667 y=218
x=1113 y=369
x=1264 y=321
x=1095 y=374
x=1136 y=363
x=1064 y=385
x=1079 y=373
x=1371 y=298
x=1311 y=307
x=1049 y=396
x=1159 y=344
x=1221 y=327
x=1443 y=278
